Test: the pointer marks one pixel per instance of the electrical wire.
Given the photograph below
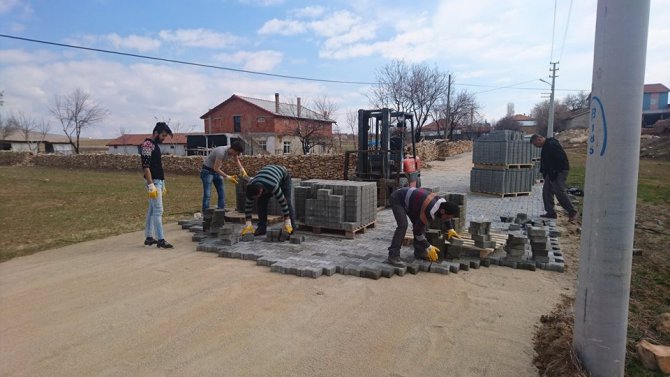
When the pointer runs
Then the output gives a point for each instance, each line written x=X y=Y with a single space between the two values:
x=565 y=33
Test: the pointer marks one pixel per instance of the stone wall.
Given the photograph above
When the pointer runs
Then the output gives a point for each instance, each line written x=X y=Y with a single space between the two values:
x=15 y=158
x=431 y=150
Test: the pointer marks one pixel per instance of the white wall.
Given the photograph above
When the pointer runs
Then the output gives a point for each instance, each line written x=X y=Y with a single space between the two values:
x=63 y=149
x=176 y=149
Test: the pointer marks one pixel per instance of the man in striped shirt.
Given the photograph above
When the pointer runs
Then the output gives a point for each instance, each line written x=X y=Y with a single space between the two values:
x=422 y=207
x=271 y=180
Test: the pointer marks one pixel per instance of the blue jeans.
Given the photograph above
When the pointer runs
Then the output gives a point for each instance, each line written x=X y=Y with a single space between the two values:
x=155 y=214
x=209 y=177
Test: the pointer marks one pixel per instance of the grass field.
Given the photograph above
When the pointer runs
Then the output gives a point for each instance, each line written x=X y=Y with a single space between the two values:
x=42 y=208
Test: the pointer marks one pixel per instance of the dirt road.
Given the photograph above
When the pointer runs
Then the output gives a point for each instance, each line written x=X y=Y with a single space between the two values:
x=113 y=308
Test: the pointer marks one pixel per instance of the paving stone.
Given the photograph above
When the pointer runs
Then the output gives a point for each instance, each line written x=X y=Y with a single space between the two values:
x=558 y=267
x=439 y=268
x=370 y=272
x=247 y=238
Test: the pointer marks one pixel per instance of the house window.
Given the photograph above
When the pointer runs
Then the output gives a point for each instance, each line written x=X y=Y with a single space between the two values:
x=237 y=123
x=287 y=147
x=261 y=119
x=263 y=144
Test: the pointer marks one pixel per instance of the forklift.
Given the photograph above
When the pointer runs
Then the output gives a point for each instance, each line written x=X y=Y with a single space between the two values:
x=383 y=155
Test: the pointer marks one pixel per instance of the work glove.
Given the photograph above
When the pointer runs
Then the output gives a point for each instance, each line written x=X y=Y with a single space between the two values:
x=452 y=233
x=151 y=189
x=233 y=179
x=288 y=228
x=248 y=228
x=244 y=174
x=432 y=253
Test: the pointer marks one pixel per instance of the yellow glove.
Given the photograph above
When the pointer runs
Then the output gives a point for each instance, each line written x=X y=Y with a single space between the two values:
x=244 y=174
x=452 y=233
x=153 y=193
x=432 y=253
x=288 y=228
x=232 y=178
x=248 y=228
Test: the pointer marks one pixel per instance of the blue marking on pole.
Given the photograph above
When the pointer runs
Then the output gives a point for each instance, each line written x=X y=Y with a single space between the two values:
x=594 y=115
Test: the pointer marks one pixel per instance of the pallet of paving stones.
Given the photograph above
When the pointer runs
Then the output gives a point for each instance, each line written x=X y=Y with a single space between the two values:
x=503 y=195
x=236 y=217
x=502 y=166
x=348 y=234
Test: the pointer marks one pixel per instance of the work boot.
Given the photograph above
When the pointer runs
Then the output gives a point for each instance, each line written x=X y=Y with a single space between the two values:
x=548 y=216
x=395 y=261
x=260 y=230
x=150 y=241
x=163 y=244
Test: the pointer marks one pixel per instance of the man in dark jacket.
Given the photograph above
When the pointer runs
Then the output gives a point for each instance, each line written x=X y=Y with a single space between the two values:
x=554 y=167
x=422 y=207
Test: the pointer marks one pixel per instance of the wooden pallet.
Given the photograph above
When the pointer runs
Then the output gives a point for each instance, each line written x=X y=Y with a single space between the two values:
x=348 y=234
x=501 y=195
x=236 y=217
x=468 y=242
x=503 y=166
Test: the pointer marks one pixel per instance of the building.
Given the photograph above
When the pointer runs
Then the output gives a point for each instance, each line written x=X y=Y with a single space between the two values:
x=269 y=127
x=17 y=141
x=528 y=124
x=654 y=104
x=130 y=144
x=577 y=119
x=437 y=130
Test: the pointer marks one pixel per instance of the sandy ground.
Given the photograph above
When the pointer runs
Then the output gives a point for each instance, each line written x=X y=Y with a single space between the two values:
x=114 y=308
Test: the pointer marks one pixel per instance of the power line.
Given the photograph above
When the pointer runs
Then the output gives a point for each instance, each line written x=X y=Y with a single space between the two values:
x=186 y=62
x=565 y=33
x=493 y=87
x=553 y=32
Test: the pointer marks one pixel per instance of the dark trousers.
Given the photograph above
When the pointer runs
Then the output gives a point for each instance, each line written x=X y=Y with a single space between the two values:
x=556 y=187
x=397 y=203
x=264 y=200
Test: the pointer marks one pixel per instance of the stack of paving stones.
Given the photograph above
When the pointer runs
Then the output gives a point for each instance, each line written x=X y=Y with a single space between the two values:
x=458 y=223
x=499 y=150
x=340 y=205
x=480 y=232
x=274 y=209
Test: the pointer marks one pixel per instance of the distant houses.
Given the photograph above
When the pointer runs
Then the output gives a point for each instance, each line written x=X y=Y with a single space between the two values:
x=17 y=141
x=130 y=144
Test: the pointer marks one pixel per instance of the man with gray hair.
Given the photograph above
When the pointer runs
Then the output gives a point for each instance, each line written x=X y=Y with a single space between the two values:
x=554 y=166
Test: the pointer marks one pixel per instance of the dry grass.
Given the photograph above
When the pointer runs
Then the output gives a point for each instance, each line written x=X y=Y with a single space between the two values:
x=43 y=208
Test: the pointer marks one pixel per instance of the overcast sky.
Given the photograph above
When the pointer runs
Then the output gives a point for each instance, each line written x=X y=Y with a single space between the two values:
x=486 y=44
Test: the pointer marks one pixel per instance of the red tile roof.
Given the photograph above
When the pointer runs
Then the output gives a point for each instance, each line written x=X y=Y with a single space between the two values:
x=521 y=117
x=655 y=88
x=137 y=139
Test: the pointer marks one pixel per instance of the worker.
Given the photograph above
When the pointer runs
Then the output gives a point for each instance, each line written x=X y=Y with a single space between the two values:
x=397 y=139
x=554 y=166
x=271 y=180
x=422 y=207
x=212 y=172
x=155 y=185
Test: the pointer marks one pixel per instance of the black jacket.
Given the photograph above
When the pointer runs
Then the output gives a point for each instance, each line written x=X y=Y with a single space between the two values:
x=553 y=159
x=151 y=158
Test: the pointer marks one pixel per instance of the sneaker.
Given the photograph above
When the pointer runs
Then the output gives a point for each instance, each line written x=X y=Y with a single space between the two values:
x=548 y=216
x=163 y=244
x=395 y=261
x=150 y=241
x=260 y=231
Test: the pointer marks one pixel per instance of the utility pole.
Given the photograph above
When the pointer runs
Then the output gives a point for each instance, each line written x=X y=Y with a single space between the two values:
x=550 y=123
x=447 y=121
x=613 y=156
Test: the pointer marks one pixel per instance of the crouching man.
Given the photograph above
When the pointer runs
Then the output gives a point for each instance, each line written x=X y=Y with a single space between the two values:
x=271 y=180
x=422 y=207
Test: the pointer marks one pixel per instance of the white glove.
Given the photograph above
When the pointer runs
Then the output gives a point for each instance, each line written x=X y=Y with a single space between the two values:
x=288 y=228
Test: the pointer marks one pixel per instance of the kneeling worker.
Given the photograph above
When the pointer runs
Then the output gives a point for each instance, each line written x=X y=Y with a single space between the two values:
x=422 y=207
x=271 y=180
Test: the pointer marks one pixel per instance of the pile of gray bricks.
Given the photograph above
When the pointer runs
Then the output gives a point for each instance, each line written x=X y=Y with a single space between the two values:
x=274 y=209
x=332 y=204
x=509 y=166
x=457 y=223
x=480 y=231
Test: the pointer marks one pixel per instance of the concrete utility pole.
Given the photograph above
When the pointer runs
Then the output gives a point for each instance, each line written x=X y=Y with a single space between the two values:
x=601 y=308
x=550 y=123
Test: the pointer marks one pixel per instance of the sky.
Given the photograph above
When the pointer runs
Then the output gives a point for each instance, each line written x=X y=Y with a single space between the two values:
x=495 y=49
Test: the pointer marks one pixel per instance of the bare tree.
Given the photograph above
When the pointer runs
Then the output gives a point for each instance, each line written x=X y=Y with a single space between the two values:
x=540 y=113
x=577 y=101
x=352 y=123
x=508 y=123
x=42 y=127
x=7 y=127
x=310 y=127
x=75 y=112
x=463 y=107
x=415 y=88
x=26 y=126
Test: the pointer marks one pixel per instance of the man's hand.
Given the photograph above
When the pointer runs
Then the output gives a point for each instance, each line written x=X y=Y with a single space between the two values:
x=153 y=193
x=243 y=174
x=432 y=253
x=233 y=179
x=248 y=228
x=288 y=228
x=452 y=233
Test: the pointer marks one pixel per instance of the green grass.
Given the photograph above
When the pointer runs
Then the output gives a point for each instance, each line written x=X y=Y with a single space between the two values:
x=42 y=208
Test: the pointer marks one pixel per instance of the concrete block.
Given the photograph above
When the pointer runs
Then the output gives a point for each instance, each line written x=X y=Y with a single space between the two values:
x=310 y=272
x=370 y=272
x=558 y=267
x=439 y=268
x=247 y=238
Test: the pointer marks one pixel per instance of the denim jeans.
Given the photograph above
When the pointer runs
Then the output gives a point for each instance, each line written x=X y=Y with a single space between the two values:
x=209 y=177
x=155 y=214
x=264 y=200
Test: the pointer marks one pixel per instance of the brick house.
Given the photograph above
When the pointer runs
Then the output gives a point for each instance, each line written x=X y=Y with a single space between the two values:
x=269 y=127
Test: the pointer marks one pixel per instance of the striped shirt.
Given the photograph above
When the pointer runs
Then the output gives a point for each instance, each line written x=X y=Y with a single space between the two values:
x=271 y=177
x=421 y=207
